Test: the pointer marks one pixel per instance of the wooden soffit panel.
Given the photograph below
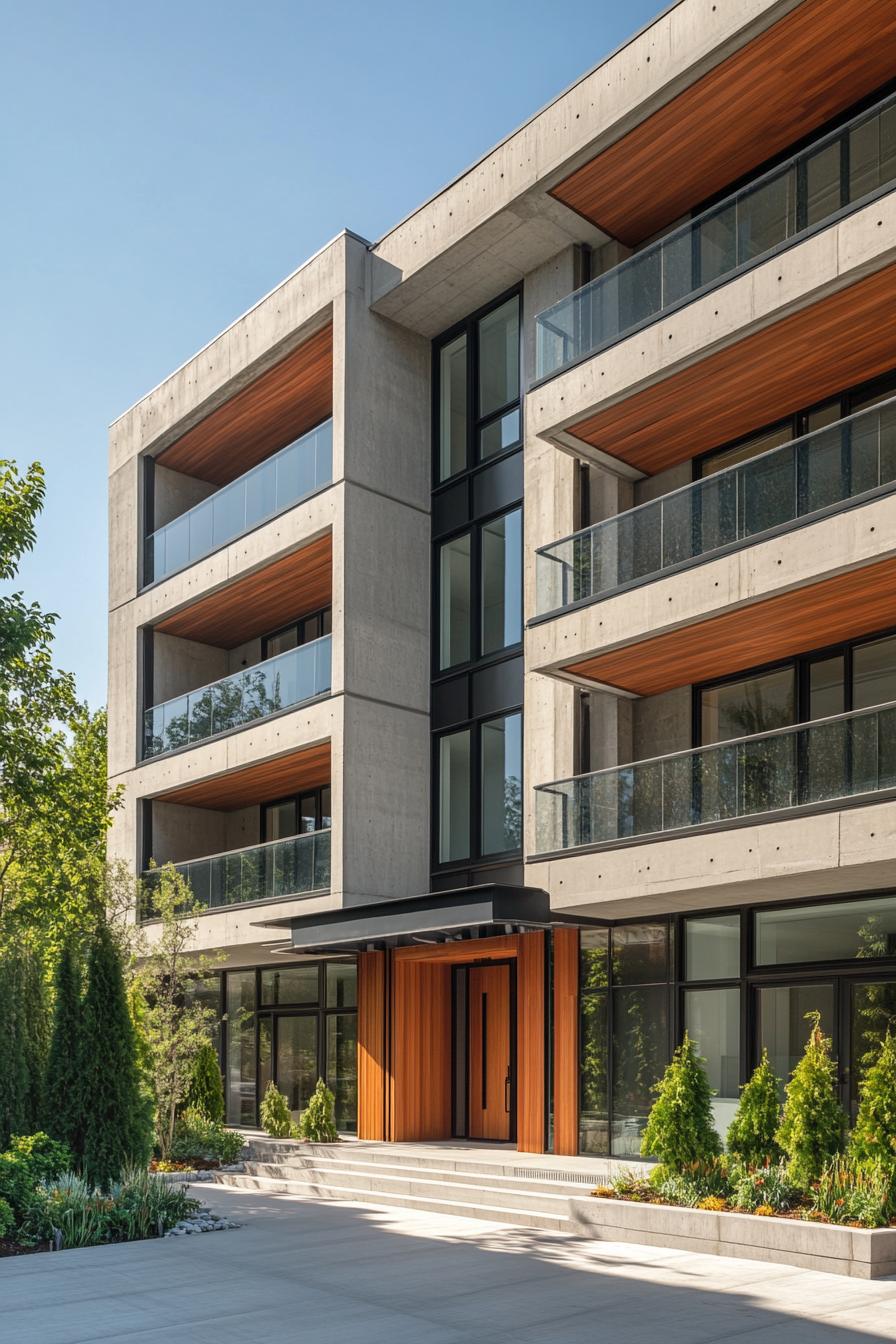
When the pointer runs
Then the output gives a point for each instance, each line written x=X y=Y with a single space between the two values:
x=261 y=602
x=803 y=358
x=279 y=406
x=811 y=65
x=267 y=780
x=847 y=606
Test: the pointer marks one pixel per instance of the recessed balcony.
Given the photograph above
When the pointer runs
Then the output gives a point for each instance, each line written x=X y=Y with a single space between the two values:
x=279 y=483
x=292 y=678
x=796 y=483
x=823 y=764
x=837 y=174
x=296 y=866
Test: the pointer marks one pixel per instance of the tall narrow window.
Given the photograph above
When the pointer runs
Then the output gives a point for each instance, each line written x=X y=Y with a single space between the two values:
x=454 y=602
x=453 y=408
x=502 y=582
x=502 y=768
x=454 y=797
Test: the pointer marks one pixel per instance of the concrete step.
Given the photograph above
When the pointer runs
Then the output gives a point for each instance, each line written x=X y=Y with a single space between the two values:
x=422 y=1183
x=426 y=1203
x=512 y=1177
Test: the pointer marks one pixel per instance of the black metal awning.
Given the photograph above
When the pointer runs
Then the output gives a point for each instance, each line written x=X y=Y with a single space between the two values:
x=437 y=917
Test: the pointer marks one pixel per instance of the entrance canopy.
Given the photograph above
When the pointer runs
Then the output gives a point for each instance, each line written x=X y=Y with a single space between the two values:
x=464 y=915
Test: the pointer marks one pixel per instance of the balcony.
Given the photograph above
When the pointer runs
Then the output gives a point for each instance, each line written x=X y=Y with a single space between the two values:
x=289 y=679
x=280 y=482
x=817 y=766
x=795 y=483
x=835 y=175
x=297 y=866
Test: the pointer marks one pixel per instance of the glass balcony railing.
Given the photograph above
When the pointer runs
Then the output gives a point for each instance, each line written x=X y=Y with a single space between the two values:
x=293 y=867
x=835 y=173
x=296 y=471
x=825 y=761
x=289 y=679
x=819 y=473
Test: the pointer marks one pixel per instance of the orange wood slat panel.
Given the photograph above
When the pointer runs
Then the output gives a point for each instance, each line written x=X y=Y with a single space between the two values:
x=566 y=1041
x=488 y=1096
x=421 y=1050
x=860 y=602
x=530 y=1043
x=804 y=358
x=260 y=602
x=811 y=65
x=264 y=782
x=277 y=407
x=470 y=950
x=372 y=1073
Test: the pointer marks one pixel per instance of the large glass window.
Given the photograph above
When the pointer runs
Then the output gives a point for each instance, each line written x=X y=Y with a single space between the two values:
x=502 y=768
x=291 y=984
x=455 y=602
x=835 y=931
x=342 y=1067
x=499 y=357
x=240 y=1071
x=783 y=1028
x=712 y=947
x=502 y=582
x=874 y=673
x=454 y=796
x=453 y=408
x=479 y=411
x=756 y=704
x=712 y=1020
x=640 y=1053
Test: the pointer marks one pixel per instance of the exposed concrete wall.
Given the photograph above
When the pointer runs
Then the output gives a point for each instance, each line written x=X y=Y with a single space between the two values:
x=611 y=730
x=180 y=832
x=652 y=487
x=174 y=493
x=661 y=724
x=181 y=665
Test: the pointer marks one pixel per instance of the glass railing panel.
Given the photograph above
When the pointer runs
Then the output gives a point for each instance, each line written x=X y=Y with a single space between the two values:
x=840 y=170
x=823 y=470
x=295 y=472
x=289 y=679
x=828 y=760
x=290 y=867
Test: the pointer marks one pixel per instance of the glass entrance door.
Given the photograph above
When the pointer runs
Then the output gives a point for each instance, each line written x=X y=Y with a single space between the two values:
x=288 y=1055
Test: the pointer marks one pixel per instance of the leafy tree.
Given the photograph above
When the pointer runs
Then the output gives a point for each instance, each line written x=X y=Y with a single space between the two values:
x=206 y=1090
x=751 y=1134
x=813 y=1123
x=317 y=1123
x=874 y=1136
x=176 y=1025
x=63 y=1094
x=115 y=1130
x=680 y=1130
x=13 y=1068
x=35 y=1028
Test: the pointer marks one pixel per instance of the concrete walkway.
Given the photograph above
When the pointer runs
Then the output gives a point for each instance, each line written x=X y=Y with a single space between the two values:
x=304 y=1270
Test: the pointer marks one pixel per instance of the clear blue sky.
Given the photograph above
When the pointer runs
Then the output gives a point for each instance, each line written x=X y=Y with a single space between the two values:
x=164 y=165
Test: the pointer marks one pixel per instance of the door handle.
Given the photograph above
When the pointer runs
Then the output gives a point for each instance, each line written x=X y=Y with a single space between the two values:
x=507 y=1092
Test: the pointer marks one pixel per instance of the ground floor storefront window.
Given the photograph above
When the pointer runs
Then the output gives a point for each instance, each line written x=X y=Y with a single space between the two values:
x=739 y=981
x=291 y=1025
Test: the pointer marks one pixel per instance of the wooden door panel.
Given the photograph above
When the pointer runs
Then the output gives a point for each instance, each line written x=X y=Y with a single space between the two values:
x=488 y=1083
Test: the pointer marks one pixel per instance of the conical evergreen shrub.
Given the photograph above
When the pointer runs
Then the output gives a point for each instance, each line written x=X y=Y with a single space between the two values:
x=874 y=1137
x=274 y=1113
x=206 y=1090
x=63 y=1109
x=680 y=1130
x=813 y=1123
x=13 y=1064
x=751 y=1134
x=35 y=1036
x=317 y=1122
x=115 y=1133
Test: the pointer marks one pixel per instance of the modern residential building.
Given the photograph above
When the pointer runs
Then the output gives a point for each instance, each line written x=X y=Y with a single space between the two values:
x=503 y=614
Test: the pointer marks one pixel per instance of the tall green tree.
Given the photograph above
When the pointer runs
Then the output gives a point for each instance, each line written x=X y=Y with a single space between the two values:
x=13 y=1068
x=35 y=1028
x=64 y=1096
x=751 y=1134
x=680 y=1129
x=874 y=1136
x=115 y=1130
x=813 y=1123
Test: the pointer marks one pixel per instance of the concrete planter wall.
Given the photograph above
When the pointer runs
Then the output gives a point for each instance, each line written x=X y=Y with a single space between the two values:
x=857 y=1252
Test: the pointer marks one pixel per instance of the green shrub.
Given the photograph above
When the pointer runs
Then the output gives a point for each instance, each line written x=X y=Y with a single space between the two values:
x=274 y=1113
x=874 y=1137
x=206 y=1090
x=7 y=1218
x=680 y=1129
x=849 y=1191
x=63 y=1094
x=631 y=1184
x=71 y=1206
x=752 y=1187
x=30 y=1160
x=813 y=1123
x=144 y=1205
x=751 y=1134
x=693 y=1184
x=317 y=1122
x=195 y=1136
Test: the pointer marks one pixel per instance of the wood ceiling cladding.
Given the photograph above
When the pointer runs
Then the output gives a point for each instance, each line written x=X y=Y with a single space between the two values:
x=811 y=65
x=804 y=358
x=847 y=606
x=279 y=406
x=261 y=602
x=267 y=780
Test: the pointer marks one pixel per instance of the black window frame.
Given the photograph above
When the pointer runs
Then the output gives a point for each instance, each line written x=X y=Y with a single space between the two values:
x=296 y=799
x=476 y=858
x=299 y=626
x=473 y=529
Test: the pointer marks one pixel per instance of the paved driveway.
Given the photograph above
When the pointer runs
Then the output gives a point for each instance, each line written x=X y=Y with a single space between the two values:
x=302 y=1270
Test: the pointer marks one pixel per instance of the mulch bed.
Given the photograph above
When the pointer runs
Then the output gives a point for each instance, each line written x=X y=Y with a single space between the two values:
x=8 y=1247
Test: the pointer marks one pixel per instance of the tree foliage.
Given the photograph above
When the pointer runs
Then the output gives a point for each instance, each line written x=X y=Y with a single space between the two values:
x=874 y=1136
x=274 y=1113
x=63 y=1093
x=23 y=1041
x=751 y=1134
x=206 y=1090
x=317 y=1123
x=813 y=1123
x=680 y=1130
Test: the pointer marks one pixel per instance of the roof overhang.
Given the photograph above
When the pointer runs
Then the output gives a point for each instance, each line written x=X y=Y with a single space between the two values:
x=469 y=913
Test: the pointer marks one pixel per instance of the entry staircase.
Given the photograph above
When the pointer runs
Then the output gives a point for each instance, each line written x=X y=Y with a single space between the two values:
x=470 y=1181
